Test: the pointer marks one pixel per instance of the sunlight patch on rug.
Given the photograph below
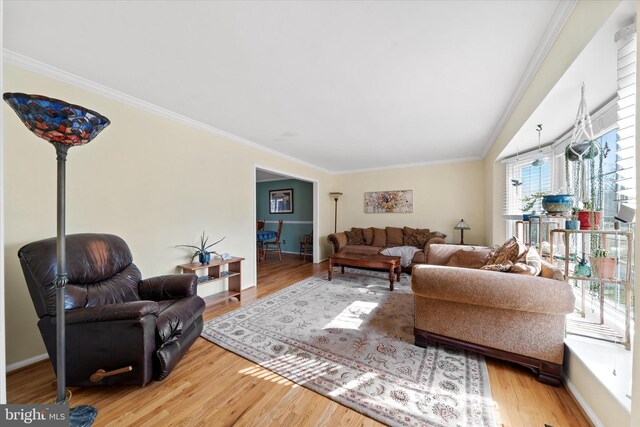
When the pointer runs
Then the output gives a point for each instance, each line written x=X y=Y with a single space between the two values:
x=351 y=340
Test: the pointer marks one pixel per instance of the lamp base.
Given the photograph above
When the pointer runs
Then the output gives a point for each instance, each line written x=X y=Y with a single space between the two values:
x=82 y=416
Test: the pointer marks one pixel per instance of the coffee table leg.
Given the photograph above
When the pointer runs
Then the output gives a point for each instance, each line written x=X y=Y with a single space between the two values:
x=330 y=267
x=342 y=271
x=391 y=275
x=399 y=270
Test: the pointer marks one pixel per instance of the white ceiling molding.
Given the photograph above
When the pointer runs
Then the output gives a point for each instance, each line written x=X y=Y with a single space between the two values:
x=39 y=67
x=560 y=16
x=413 y=165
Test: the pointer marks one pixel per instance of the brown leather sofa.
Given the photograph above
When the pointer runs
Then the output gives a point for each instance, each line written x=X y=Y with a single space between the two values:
x=374 y=240
x=114 y=319
x=514 y=317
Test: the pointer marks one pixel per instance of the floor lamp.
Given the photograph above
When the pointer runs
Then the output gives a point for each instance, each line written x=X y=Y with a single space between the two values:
x=63 y=125
x=335 y=196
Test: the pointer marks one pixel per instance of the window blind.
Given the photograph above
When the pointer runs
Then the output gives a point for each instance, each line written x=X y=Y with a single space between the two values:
x=524 y=179
x=626 y=140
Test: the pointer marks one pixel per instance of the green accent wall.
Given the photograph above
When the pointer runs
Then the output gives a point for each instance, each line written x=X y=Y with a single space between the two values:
x=302 y=211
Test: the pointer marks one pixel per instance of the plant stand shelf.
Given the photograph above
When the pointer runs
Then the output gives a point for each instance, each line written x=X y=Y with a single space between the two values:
x=219 y=269
x=625 y=279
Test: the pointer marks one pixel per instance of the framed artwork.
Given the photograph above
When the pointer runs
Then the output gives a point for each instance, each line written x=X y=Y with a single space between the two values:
x=281 y=201
x=388 y=201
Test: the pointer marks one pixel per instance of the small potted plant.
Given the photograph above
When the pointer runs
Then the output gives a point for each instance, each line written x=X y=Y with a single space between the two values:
x=202 y=251
x=574 y=222
x=603 y=266
x=529 y=202
x=589 y=218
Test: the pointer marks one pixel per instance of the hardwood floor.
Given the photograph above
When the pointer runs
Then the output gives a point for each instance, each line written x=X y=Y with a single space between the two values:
x=214 y=387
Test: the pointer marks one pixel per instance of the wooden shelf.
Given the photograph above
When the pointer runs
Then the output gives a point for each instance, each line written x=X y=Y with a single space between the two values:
x=195 y=266
x=216 y=271
x=221 y=297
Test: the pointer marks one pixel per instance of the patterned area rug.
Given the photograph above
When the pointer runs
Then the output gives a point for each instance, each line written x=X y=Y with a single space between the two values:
x=351 y=340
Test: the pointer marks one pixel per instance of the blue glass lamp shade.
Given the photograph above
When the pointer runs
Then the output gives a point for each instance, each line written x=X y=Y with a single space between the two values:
x=56 y=121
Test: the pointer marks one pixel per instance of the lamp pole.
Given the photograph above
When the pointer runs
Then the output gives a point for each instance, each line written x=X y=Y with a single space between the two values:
x=61 y=278
x=335 y=196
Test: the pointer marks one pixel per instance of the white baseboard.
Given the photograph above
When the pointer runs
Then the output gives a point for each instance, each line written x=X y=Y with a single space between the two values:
x=583 y=404
x=27 y=362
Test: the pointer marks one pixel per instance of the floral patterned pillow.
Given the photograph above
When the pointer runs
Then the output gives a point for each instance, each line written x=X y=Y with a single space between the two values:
x=416 y=237
x=354 y=237
x=510 y=252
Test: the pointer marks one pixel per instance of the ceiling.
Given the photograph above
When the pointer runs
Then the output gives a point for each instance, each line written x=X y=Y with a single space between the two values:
x=265 y=175
x=596 y=66
x=340 y=85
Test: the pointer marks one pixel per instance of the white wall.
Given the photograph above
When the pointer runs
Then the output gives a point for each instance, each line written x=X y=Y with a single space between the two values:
x=442 y=195
x=154 y=181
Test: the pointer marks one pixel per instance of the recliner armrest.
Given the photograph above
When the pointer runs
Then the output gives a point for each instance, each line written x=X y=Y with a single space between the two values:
x=104 y=313
x=171 y=286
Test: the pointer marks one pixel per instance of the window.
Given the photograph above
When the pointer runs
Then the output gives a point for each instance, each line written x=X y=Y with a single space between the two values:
x=524 y=179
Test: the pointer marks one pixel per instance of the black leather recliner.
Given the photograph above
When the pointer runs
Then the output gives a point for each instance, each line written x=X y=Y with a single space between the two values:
x=114 y=319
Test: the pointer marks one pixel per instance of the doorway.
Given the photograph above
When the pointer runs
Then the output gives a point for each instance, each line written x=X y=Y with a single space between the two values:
x=280 y=196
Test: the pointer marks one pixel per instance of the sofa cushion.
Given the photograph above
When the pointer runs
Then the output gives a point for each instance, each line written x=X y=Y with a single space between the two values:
x=379 y=237
x=470 y=257
x=362 y=249
x=417 y=237
x=354 y=237
x=367 y=235
x=510 y=251
x=419 y=258
x=441 y=253
x=394 y=236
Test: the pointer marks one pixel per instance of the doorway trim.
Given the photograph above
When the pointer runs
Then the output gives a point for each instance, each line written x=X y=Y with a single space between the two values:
x=316 y=210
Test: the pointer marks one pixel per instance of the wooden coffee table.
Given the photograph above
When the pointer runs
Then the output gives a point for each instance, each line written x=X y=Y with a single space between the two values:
x=391 y=263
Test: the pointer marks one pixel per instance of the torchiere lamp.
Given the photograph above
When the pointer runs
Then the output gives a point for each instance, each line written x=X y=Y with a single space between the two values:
x=335 y=197
x=64 y=125
x=462 y=226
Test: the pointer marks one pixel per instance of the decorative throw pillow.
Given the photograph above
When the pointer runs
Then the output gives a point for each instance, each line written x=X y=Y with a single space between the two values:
x=394 y=236
x=503 y=268
x=437 y=234
x=522 y=268
x=379 y=237
x=469 y=258
x=550 y=272
x=354 y=237
x=510 y=252
x=417 y=237
x=367 y=235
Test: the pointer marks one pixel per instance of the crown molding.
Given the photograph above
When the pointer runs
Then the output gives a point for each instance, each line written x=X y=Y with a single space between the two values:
x=559 y=19
x=47 y=70
x=42 y=68
x=411 y=165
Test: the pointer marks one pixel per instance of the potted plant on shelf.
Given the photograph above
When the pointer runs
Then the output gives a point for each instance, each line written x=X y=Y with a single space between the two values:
x=574 y=222
x=603 y=266
x=529 y=202
x=202 y=251
x=557 y=204
x=589 y=218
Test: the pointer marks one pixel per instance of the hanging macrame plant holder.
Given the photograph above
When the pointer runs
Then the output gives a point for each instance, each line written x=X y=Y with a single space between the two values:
x=583 y=145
